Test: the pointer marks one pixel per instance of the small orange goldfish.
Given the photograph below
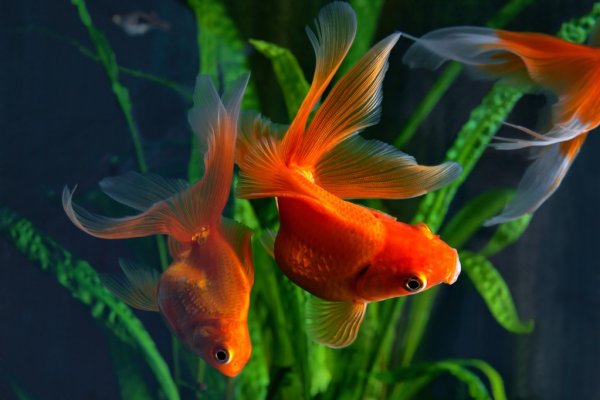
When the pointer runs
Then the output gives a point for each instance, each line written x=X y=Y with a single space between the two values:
x=204 y=294
x=345 y=254
x=570 y=72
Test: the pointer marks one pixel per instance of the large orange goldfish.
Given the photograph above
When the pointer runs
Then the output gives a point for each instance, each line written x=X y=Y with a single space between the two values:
x=204 y=294
x=345 y=254
x=570 y=72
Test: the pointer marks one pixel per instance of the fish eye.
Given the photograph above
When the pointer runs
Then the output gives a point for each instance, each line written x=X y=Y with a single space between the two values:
x=413 y=284
x=221 y=356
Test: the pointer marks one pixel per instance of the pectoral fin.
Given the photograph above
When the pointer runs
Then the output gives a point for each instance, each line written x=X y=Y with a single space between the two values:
x=137 y=288
x=333 y=323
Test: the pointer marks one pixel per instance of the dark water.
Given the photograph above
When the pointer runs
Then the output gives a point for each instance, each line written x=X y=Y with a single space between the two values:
x=60 y=124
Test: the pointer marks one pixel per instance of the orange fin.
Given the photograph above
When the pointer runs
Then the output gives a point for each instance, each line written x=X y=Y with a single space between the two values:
x=215 y=121
x=530 y=60
x=335 y=30
x=333 y=323
x=239 y=237
x=360 y=168
x=138 y=287
x=169 y=206
x=353 y=104
x=541 y=179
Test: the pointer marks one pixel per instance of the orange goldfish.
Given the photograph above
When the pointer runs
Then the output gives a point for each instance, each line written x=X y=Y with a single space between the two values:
x=569 y=72
x=204 y=294
x=345 y=254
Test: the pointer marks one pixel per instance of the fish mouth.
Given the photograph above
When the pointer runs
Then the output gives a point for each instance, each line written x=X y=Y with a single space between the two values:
x=456 y=273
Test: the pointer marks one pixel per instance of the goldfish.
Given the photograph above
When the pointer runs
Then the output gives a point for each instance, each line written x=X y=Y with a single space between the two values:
x=204 y=294
x=344 y=254
x=568 y=72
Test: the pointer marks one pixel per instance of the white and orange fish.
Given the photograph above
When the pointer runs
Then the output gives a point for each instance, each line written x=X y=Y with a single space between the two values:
x=345 y=254
x=568 y=71
x=204 y=295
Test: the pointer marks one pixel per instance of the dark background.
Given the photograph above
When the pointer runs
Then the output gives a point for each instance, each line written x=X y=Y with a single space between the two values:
x=60 y=124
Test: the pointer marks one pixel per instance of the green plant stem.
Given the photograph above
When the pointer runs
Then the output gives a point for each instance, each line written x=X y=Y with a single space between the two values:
x=385 y=341
x=109 y=62
x=439 y=88
x=174 y=86
x=83 y=283
x=450 y=73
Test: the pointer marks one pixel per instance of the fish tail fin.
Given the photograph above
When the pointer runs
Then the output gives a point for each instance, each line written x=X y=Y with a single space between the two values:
x=541 y=179
x=526 y=60
x=328 y=151
x=482 y=49
x=264 y=157
x=259 y=154
x=170 y=206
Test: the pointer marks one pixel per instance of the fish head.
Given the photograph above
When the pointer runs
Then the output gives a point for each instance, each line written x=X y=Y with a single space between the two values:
x=203 y=324
x=412 y=260
x=224 y=344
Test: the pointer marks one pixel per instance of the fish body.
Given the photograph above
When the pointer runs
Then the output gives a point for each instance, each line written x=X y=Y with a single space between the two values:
x=204 y=294
x=345 y=254
x=568 y=72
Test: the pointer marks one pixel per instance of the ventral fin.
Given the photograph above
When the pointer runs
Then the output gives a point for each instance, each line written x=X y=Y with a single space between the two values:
x=239 y=237
x=359 y=168
x=333 y=323
x=267 y=240
x=138 y=287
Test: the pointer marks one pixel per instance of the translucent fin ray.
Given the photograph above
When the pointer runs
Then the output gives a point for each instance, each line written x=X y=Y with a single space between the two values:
x=353 y=104
x=216 y=124
x=541 y=179
x=360 y=168
x=138 y=287
x=141 y=191
x=335 y=30
x=334 y=324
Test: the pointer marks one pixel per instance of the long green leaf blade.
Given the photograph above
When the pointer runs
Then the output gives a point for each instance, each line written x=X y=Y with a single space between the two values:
x=506 y=234
x=423 y=373
x=289 y=75
x=471 y=217
x=83 y=283
x=492 y=287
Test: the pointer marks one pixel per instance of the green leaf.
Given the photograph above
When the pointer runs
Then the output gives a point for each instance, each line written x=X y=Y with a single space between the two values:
x=17 y=390
x=506 y=234
x=422 y=374
x=495 y=292
x=128 y=371
x=83 y=283
x=471 y=217
x=288 y=73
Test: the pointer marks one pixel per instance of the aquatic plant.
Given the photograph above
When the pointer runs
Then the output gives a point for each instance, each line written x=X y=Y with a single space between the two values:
x=285 y=364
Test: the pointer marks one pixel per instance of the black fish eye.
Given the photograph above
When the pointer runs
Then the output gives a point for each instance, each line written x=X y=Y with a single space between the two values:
x=413 y=284
x=221 y=356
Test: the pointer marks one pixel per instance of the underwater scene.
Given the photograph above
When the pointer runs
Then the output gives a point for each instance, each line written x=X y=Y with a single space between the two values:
x=276 y=199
